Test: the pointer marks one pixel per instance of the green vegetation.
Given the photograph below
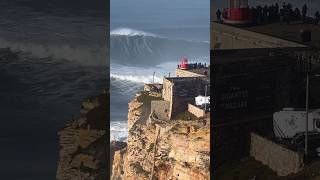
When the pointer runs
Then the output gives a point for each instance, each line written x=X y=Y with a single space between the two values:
x=138 y=169
x=198 y=138
x=186 y=116
x=175 y=128
x=85 y=169
x=151 y=146
x=133 y=129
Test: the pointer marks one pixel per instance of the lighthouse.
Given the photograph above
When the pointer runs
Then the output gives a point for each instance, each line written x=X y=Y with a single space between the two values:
x=184 y=64
x=238 y=13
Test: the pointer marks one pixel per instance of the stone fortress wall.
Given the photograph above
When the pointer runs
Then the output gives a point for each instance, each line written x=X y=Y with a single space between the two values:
x=198 y=112
x=280 y=159
x=161 y=109
x=180 y=91
x=228 y=37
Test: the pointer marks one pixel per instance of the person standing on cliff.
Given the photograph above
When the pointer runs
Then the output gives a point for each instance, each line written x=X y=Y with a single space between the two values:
x=316 y=18
x=304 y=13
x=281 y=16
x=218 y=13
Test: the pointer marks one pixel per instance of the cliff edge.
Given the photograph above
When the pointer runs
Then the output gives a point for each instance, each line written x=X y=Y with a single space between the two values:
x=163 y=149
x=83 y=142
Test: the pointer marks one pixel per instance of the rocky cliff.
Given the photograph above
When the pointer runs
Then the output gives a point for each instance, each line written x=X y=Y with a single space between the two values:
x=158 y=149
x=83 y=142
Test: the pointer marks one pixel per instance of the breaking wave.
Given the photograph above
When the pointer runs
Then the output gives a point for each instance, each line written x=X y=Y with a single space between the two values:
x=130 y=32
x=141 y=75
x=137 y=79
x=130 y=47
x=118 y=131
x=86 y=55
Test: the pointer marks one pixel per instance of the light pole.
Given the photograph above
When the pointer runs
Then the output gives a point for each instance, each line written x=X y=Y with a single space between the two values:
x=205 y=96
x=307 y=113
x=153 y=77
x=307 y=109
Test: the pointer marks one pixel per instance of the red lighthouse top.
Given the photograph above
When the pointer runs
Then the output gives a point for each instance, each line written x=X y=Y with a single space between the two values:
x=237 y=13
x=184 y=63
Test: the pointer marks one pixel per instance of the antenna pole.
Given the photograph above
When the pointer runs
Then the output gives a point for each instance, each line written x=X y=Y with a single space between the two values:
x=205 y=96
x=153 y=77
x=307 y=112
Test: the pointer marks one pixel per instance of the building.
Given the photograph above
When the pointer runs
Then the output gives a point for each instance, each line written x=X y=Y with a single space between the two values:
x=180 y=91
x=258 y=70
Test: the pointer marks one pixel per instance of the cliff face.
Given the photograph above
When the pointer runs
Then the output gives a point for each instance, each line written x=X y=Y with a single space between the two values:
x=177 y=149
x=83 y=143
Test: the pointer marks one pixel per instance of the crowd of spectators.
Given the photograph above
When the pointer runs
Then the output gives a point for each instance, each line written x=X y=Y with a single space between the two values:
x=276 y=13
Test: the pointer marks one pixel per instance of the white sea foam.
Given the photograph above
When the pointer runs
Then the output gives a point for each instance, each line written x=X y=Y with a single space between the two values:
x=142 y=74
x=130 y=32
x=88 y=55
x=118 y=131
x=137 y=79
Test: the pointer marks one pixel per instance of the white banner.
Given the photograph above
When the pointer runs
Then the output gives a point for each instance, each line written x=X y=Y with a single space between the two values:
x=202 y=100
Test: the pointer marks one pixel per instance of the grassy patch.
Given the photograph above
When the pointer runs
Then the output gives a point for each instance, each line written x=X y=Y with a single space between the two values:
x=138 y=169
x=175 y=128
x=133 y=129
x=151 y=146
x=198 y=138
x=186 y=116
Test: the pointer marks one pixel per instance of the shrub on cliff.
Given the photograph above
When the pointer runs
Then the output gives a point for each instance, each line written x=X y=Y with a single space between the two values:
x=138 y=169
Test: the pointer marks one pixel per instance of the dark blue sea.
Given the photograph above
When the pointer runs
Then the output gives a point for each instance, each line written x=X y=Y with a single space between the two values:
x=53 y=54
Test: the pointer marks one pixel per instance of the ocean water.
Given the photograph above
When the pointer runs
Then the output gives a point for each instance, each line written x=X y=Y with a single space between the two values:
x=53 y=54
x=151 y=36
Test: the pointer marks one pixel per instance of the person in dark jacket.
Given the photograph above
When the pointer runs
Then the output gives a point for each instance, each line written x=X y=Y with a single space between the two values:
x=316 y=18
x=281 y=15
x=304 y=12
x=218 y=13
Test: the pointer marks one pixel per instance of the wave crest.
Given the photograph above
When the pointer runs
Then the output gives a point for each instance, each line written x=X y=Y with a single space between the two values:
x=148 y=50
x=118 y=131
x=130 y=32
x=86 y=55
x=137 y=79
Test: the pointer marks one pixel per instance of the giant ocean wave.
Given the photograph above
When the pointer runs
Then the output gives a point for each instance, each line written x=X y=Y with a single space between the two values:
x=138 y=48
x=81 y=54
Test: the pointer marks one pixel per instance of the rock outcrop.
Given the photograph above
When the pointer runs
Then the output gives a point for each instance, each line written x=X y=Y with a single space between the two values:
x=158 y=149
x=83 y=142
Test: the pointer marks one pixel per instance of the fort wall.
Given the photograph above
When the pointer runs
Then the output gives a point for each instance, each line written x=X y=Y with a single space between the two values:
x=184 y=91
x=196 y=111
x=229 y=37
x=185 y=73
x=181 y=91
x=280 y=159
x=161 y=109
